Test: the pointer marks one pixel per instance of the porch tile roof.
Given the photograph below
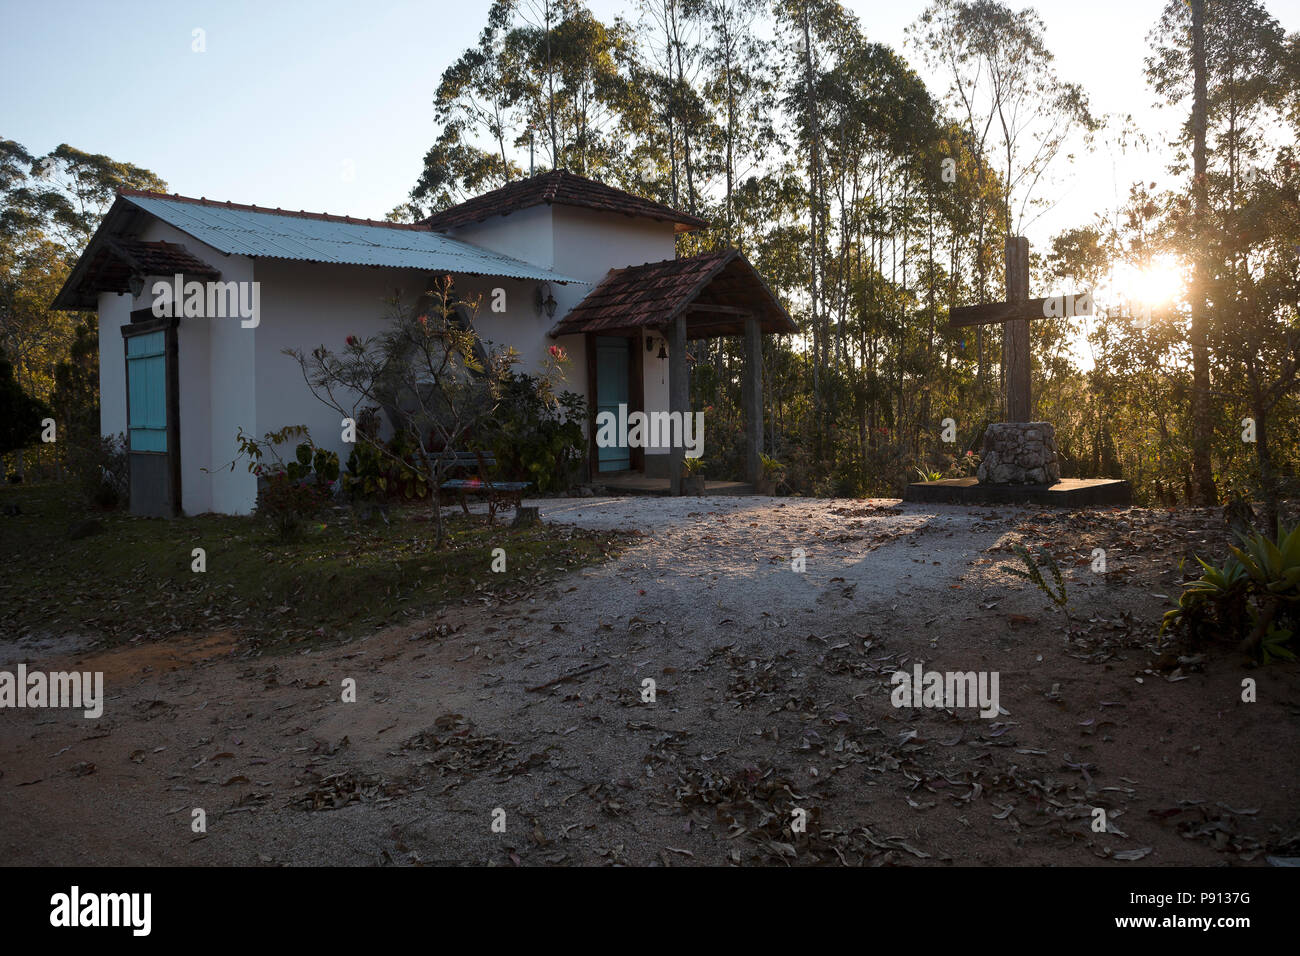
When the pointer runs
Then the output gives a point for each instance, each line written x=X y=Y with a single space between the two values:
x=719 y=287
x=161 y=258
x=558 y=187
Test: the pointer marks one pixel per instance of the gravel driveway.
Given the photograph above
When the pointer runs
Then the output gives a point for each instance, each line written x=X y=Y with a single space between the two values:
x=772 y=697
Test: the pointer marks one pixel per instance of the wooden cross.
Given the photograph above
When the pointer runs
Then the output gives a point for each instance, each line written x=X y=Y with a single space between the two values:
x=1015 y=315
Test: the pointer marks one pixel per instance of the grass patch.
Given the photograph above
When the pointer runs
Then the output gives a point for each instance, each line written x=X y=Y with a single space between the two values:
x=341 y=578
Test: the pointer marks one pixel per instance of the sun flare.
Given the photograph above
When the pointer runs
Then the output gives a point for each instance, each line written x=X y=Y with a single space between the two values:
x=1158 y=282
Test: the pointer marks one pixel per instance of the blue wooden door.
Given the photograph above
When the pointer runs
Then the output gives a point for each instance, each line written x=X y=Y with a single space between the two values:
x=146 y=378
x=612 y=361
x=152 y=459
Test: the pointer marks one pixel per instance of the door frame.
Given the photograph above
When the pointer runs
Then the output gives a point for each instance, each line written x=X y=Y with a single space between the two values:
x=635 y=397
x=144 y=322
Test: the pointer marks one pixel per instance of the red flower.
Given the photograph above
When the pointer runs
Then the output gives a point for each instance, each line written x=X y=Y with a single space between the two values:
x=557 y=353
x=352 y=340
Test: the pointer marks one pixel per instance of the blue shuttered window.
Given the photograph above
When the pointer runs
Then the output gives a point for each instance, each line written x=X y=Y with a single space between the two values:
x=146 y=377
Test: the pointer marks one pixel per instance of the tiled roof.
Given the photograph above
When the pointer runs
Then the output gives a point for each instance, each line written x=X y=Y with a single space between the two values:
x=717 y=288
x=160 y=258
x=563 y=188
x=107 y=265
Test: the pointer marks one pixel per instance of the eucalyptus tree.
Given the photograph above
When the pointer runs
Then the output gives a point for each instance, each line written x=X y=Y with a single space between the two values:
x=477 y=101
x=573 y=82
x=49 y=207
x=741 y=86
x=671 y=64
x=544 y=85
x=1229 y=64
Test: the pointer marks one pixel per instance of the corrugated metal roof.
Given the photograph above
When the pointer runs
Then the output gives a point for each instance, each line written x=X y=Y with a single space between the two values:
x=238 y=230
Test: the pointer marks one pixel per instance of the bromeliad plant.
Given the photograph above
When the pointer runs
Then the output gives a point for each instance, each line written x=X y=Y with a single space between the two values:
x=770 y=468
x=1254 y=595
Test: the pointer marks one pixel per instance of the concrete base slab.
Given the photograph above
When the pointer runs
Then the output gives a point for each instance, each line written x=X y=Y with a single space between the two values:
x=1066 y=493
x=633 y=483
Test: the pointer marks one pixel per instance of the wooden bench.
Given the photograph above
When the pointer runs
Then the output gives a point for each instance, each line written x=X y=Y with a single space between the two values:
x=512 y=492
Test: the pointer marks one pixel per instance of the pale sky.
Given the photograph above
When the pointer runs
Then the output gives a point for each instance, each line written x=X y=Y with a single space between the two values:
x=326 y=105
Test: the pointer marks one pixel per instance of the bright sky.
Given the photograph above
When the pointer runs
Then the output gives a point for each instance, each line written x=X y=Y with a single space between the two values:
x=326 y=105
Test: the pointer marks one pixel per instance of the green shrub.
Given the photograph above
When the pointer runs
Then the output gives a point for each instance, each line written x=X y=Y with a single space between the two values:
x=288 y=492
x=536 y=437
x=287 y=502
x=100 y=468
x=372 y=475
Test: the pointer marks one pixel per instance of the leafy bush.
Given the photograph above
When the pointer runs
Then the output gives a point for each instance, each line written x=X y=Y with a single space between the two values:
x=100 y=467
x=537 y=437
x=1253 y=597
x=374 y=475
x=288 y=492
x=287 y=502
x=310 y=463
x=20 y=413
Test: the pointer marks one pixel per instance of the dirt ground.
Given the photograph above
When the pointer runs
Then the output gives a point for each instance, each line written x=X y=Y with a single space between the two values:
x=772 y=694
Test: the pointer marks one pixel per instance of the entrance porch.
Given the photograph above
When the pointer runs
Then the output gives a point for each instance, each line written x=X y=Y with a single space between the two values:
x=636 y=324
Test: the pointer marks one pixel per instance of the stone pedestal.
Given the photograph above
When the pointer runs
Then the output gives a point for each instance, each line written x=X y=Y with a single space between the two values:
x=1020 y=453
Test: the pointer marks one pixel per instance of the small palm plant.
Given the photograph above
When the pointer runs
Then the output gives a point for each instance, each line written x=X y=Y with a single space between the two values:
x=1031 y=572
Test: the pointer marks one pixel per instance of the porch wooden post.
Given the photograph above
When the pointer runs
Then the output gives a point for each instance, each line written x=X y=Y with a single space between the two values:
x=679 y=391
x=1015 y=334
x=752 y=397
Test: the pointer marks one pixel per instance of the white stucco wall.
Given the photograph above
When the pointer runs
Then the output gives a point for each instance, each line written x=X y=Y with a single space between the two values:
x=114 y=312
x=589 y=243
x=656 y=381
x=526 y=235
x=305 y=305
x=308 y=304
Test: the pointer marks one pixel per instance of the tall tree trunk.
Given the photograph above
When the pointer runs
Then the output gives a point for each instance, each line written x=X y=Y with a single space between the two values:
x=814 y=165
x=1202 y=473
x=686 y=129
x=731 y=124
